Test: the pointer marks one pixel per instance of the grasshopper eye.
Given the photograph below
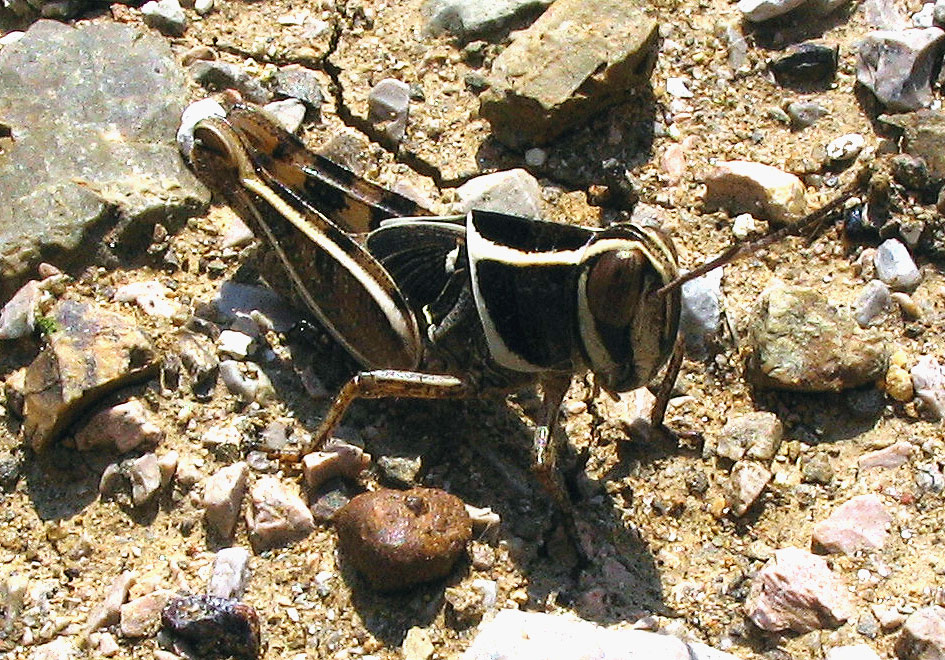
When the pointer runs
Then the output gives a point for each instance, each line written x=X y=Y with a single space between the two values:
x=614 y=286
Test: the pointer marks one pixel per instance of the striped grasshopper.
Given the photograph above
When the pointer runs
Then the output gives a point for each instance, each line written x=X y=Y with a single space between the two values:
x=451 y=307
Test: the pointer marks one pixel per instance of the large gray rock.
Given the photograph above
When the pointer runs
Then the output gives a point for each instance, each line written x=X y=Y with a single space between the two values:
x=93 y=114
x=574 y=61
x=802 y=343
x=471 y=19
x=897 y=66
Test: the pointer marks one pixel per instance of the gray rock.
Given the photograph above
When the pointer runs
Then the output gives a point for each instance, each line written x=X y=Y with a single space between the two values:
x=237 y=345
x=872 y=301
x=388 y=105
x=276 y=516
x=515 y=192
x=938 y=13
x=203 y=7
x=289 y=114
x=701 y=317
x=923 y=137
x=802 y=343
x=467 y=20
x=895 y=267
x=198 y=355
x=923 y=635
x=928 y=379
x=145 y=475
x=57 y=91
x=756 y=435
x=747 y=483
x=166 y=16
x=90 y=353
x=764 y=191
x=860 y=523
x=757 y=11
x=816 y=469
x=846 y=147
x=230 y=573
x=797 y=591
x=216 y=75
x=222 y=495
x=517 y=635
x=297 y=82
x=897 y=66
x=123 y=427
x=805 y=113
x=573 y=62
x=247 y=381
x=18 y=317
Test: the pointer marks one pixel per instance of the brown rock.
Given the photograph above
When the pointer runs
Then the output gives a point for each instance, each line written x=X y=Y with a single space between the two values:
x=802 y=343
x=577 y=59
x=89 y=353
x=797 y=591
x=923 y=636
x=764 y=191
x=400 y=538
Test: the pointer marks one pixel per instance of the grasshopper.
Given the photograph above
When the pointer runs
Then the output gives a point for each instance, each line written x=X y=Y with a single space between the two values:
x=455 y=306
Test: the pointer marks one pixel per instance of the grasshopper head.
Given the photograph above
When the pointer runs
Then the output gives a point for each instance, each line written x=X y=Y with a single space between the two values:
x=627 y=330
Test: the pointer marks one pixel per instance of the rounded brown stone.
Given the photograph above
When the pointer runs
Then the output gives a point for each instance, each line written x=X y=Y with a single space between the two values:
x=397 y=539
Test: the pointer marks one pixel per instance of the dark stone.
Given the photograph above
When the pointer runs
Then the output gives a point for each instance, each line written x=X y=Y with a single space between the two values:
x=910 y=171
x=808 y=62
x=396 y=539
x=213 y=627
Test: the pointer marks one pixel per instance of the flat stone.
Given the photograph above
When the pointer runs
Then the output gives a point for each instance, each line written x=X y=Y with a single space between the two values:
x=897 y=66
x=845 y=148
x=852 y=652
x=754 y=435
x=515 y=192
x=397 y=539
x=150 y=296
x=805 y=113
x=802 y=343
x=923 y=136
x=923 y=635
x=234 y=298
x=222 y=495
x=90 y=353
x=517 y=635
x=860 y=523
x=467 y=20
x=57 y=89
x=747 y=483
x=890 y=457
x=766 y=192
x=289 y=114
x=230 y=573
x=797 y=591
x=141 y=617
x=276 y=516
x=123 y=427
x=928 y=380
x=895 y=267
x=576 y=60
x=338 y=459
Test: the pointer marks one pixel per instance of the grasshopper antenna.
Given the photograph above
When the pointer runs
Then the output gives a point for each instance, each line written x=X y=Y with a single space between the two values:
x=810 y=220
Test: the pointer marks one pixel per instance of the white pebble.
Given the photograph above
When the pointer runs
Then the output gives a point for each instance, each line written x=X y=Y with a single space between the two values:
x=845 y=147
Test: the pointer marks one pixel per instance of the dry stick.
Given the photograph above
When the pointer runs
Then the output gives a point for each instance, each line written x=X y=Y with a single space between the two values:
x=740 y=249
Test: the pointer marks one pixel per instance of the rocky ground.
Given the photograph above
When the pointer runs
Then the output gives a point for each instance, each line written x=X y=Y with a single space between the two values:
x=813 y=379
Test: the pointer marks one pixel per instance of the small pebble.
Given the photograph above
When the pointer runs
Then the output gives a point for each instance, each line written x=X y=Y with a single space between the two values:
x=388 y=104
x=166 y=16
x=230 y=573
x=895 y=267
x=536 y=157
x=203 y=7
x=846 y=147
x=872 y=302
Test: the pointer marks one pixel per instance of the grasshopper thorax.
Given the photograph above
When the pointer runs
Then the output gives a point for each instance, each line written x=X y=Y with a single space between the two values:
x=626 y=329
